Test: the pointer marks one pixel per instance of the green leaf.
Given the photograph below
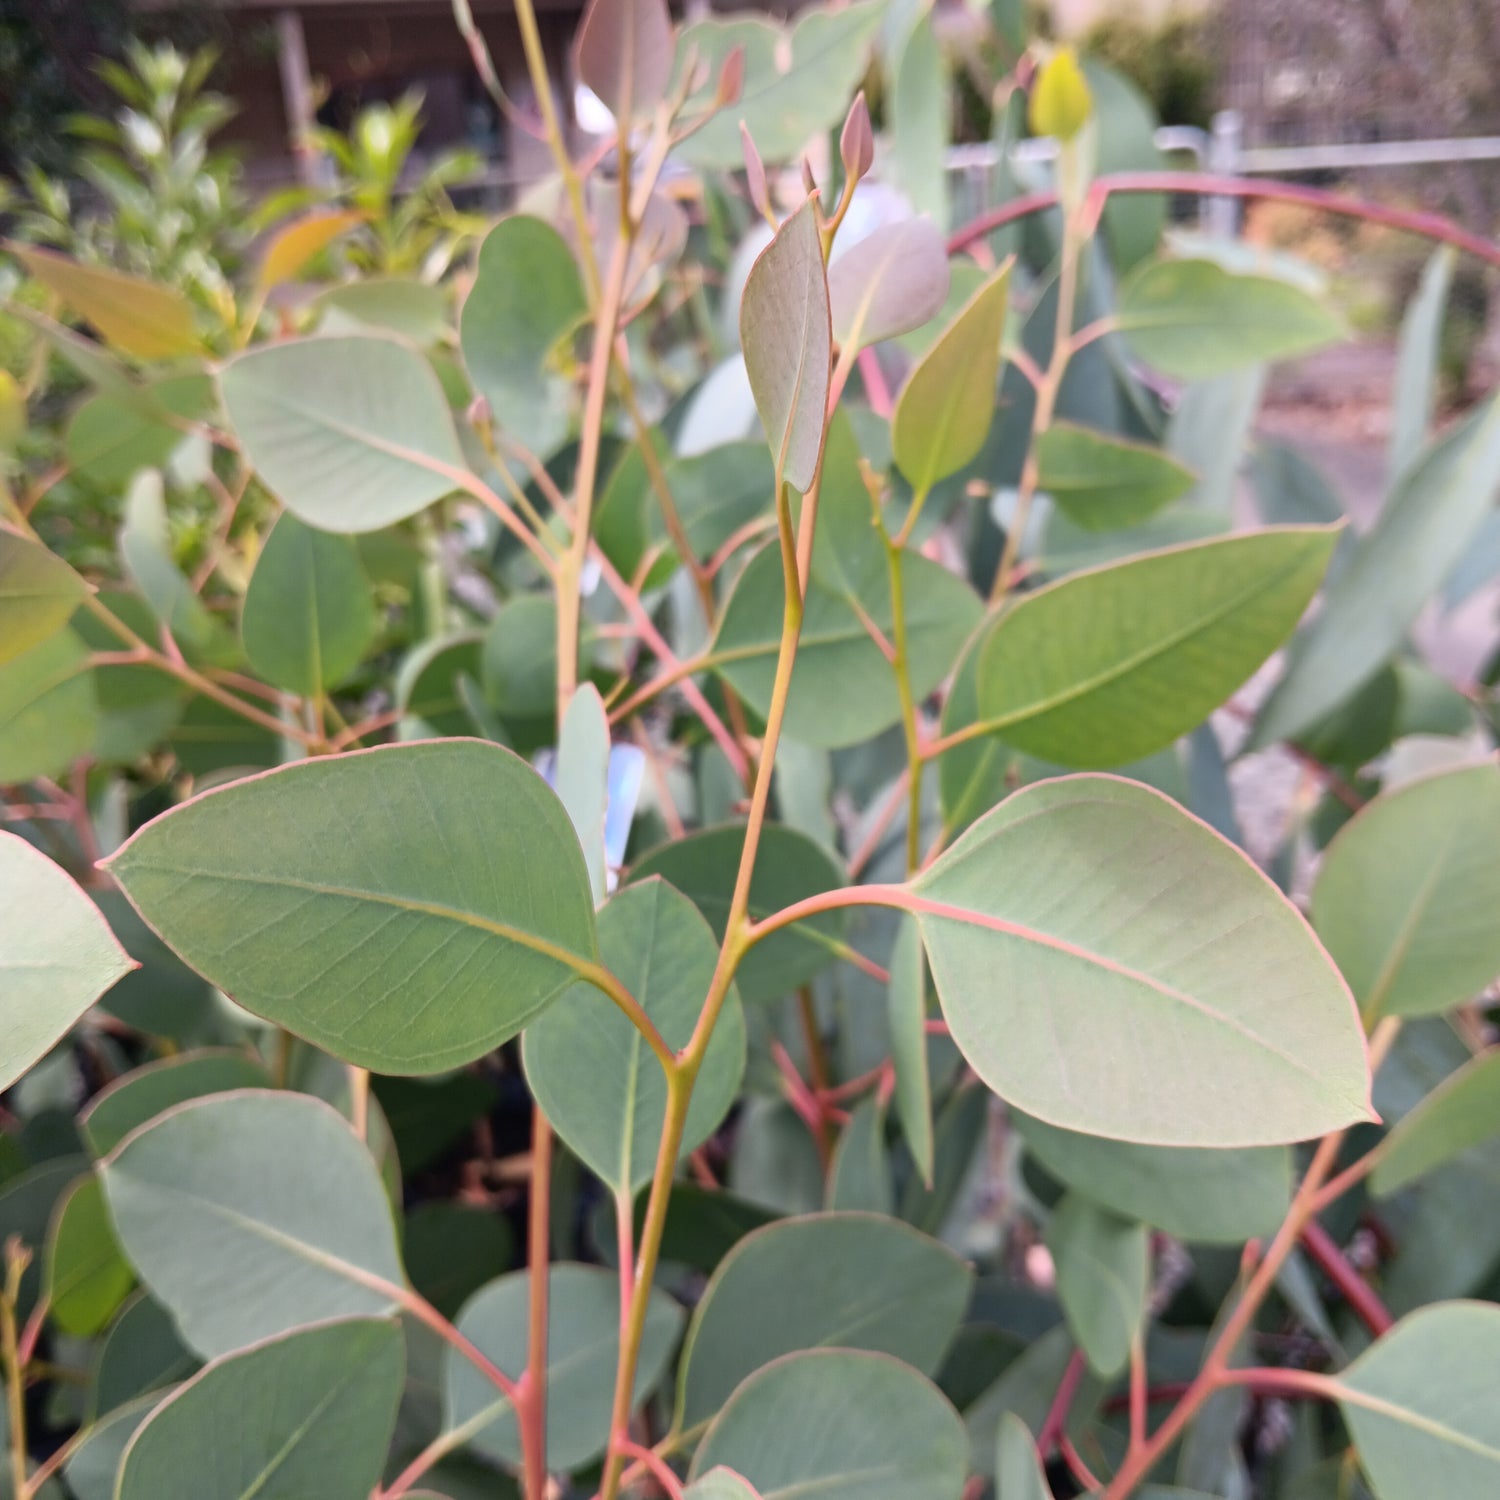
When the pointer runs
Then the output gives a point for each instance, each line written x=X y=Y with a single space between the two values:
x=38 y=594
x=861 y=1175
x=888 y=283
x=87 y=1277
x=583 y=778
x=843 y=689
x=527 y=297
x=1462 y=1112
x=57 y=955
x=309 y=613
x=141 y=318
x=1113 y=664
x=250 y=1213
x=943 y=413
x=414 y=310
x=841 y=1424
x=851 y=1280
x=1415 y=392
x=1405 y=896
x=1423 y=1406
x=1202 y=1196
x=309 y=1413
x=1102 y=483
x=786 y=334
x=451 y=1251
x=583 y=1350
x=352 y=433
x=406 y=908
x=142 y=1352
x=49 y=714
x=1193 y=320
x=114 y=434
x=720 y=1484
x=1136 y=932
x=798 y=80
x=141 y=1095
x=906 y=999
x=918 y=115
x=1422 y=534
x=1018 y=1469
x=93 y=1466
x=1103 y=1268
x=592 y=1071
x=788 y=867
x=624 y=52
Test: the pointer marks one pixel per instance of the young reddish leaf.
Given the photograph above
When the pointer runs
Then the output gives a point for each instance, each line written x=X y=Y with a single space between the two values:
x=786 y=333
x=857 y=139
x=893 y=280
x=625 y=52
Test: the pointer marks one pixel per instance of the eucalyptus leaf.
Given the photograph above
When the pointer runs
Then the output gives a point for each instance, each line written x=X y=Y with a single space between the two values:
x=1103 y=483
x=87 y=1278
x=1136 y=932
x=148 y=1091
x=1103 y=1267
x=49 y=711
x=624 y=53
x=407 y=908
x=907 y=1005
x=890 y=282
x=251 y=1213
x=38 y=594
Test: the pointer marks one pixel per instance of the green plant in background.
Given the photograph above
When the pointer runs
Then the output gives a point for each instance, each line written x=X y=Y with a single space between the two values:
x=168 y=203
x=805 y=786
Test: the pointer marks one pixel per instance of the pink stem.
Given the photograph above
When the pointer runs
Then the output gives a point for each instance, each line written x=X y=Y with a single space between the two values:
x=1357 y=1292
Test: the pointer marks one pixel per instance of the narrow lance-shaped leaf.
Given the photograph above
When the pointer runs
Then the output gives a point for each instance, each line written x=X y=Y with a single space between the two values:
x=907 y=1004
x=1114 y=664
x=57 y=955
x=38 y=594
x=785 y=331
x=250 y=1213
x=944 y=411
x=1406 y=895
x=624 y=53
x=352 y=433
x=310 y=1413
x=1193 y=320
x=406 y=908
x=1422 y=534
x=1144 y=981
x=1018 y=1469
x=142 y=318
x=309 y=614
x=1461 y=1112
x=1417 y=361
x=295 y=243
x=582 y=779
x=893 y=280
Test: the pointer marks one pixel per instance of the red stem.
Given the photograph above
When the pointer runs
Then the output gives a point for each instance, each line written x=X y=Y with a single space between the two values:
x=1062 y=1404
x=1205 y=184
x=1357 y=1292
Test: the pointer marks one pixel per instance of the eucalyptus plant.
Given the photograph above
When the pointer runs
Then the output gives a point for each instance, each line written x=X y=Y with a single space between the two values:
x=781 y=712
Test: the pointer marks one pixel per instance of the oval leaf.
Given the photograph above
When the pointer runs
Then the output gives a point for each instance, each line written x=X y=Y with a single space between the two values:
x=583 y=1351
x=309 y=613
x=38 y=594
x=49 y=710
x=850 y=1280
x=1018 y=1469
x=1103 y=483
x=1103 y=1268
x=1406 y=895
x=943 y=414
x=1193 y=320
x=591 y=1070
x=624 y=52
x=1423 y=1406
x=87 y=1278
x=311 y=1413
x=1113 y=664
x=786 y=334
x=352 y=433
x=250 y=1213
x=841 y=1424
x=139 y=1096
x=57 y=955
x=1090 y=919
x=1461 y=1112
x=406 y=908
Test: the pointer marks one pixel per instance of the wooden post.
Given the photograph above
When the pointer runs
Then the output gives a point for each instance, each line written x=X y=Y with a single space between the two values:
x=297 y=94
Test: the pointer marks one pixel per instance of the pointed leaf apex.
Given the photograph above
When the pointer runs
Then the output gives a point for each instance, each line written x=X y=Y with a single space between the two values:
x=857 y=143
